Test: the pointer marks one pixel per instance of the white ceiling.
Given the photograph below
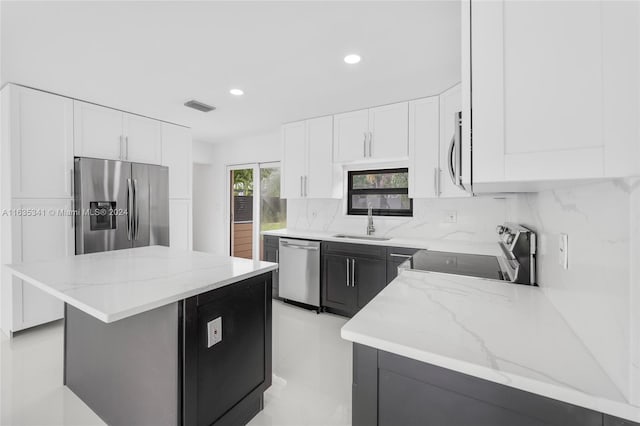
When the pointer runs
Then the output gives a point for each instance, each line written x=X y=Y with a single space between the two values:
x=151 y=57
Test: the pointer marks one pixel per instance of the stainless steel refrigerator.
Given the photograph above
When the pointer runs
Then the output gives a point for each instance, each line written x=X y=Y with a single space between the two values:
x=120 y=205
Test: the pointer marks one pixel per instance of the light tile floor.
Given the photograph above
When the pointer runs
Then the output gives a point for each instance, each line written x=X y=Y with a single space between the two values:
x=311 y=384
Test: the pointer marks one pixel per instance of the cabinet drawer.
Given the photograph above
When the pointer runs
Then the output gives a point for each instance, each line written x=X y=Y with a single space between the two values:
x=351 y=249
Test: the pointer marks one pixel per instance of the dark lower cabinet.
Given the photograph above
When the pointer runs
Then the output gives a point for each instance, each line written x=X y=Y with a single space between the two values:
x=391 y=390
x=352 y=275
x=271 y=254
x=337 y=292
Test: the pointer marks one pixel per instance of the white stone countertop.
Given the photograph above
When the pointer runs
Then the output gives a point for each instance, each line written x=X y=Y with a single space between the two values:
x=117 y=284
x=454 y=246
x=501 y=332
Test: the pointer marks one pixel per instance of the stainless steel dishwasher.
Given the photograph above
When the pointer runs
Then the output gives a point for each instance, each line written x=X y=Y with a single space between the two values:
x=300 y=271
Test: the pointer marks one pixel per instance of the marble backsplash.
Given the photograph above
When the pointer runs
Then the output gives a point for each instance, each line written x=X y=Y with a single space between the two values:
x=598 y=293
x=475 y=218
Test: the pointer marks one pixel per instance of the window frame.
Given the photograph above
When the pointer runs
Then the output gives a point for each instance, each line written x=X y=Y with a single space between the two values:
x=368 y=191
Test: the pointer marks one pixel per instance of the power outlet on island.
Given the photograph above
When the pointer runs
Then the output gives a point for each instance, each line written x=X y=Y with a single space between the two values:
x=563 y=251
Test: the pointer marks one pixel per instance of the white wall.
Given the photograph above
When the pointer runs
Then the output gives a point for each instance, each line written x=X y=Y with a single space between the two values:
x=210 y=201
x=596 y=294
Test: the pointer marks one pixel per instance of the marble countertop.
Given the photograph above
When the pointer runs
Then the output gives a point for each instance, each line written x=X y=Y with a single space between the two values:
x=501 y=332
x=121 y=283
x=454 y=246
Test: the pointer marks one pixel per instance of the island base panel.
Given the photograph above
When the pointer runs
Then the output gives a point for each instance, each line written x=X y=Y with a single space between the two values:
x=389 y=389
x=126 y=371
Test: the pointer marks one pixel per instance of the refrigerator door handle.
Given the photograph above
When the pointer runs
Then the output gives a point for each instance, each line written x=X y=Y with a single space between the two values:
x=136 y=207
x=129 y=208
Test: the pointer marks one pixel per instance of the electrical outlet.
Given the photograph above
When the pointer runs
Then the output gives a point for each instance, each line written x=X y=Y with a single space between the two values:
x=214 y=332
x=563 y=251
x=451 y=216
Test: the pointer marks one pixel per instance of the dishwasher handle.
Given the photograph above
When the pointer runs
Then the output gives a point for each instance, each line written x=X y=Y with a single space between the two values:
x=295 y=246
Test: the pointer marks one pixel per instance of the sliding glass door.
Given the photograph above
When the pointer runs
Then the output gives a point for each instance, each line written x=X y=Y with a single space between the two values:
x=254 y=206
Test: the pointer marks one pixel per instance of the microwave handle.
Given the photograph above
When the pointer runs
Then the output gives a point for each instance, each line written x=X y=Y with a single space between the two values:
x=452 y=172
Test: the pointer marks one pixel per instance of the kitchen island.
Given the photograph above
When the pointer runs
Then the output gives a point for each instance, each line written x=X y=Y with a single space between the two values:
x=443 y=349
x=160 y=336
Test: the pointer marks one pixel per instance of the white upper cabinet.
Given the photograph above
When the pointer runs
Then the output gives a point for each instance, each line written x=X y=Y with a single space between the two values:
x=450 y=105
x=308 y=170
x=111 y=134
x=294 y=159
x=388 y=131
x=351 y=136
x=40 y=139
x=98 y=131
x=143 y=139
x=177 y=154
x=550 y=104
x=424 y=138
x=323 y=178
x=379 y=133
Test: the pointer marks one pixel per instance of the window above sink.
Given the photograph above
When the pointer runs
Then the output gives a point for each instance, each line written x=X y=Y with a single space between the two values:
x=386 y=191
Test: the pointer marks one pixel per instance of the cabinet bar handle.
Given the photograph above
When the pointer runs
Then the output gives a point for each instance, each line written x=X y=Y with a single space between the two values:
x=347 y=272
x=278 y=259
x=300 y=186
x=121 y=141
x=73 y=200
x=404 y=256
x=364 y=145
x=126 y=144
x=353 y=272
x=436 y=181
x=370 y=139
x=305 y=185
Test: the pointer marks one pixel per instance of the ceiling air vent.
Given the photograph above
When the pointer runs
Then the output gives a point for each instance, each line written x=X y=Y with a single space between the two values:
x=199 y=106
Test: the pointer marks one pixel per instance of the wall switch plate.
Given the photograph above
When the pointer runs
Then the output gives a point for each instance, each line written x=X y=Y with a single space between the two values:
x=451 y=216
x=563 y=251
x=214 y=332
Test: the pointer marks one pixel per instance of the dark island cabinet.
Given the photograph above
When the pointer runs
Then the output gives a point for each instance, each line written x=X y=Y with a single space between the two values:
x=391 y=390
x=352 y=275
x=614 y=421
x=271 y=254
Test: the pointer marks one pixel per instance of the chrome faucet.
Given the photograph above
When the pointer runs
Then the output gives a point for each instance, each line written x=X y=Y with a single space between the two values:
x=370 y=228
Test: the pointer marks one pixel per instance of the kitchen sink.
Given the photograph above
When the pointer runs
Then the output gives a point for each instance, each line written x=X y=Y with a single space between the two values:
x=361 y=237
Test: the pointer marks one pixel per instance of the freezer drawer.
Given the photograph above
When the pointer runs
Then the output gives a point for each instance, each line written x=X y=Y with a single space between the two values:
x=300 y=271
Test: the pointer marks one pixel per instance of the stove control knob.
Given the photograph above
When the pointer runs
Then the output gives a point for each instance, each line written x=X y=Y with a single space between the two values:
x=509 y=237
x=500 y=229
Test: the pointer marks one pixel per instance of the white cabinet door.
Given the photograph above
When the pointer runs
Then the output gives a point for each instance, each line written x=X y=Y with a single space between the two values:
x=553 y=86
x=350 y=136
x=538 y=91
x=180 y=221
x=424 y=139
x=177 y=154
x=41 y=138
x=293 y=160
x=39 y=238
x=450 y=105
x=98 y=131
x=143 y=143
x=389 y=128
x=322 y=177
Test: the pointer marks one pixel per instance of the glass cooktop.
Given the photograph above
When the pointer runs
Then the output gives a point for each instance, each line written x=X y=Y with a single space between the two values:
x=473 y=265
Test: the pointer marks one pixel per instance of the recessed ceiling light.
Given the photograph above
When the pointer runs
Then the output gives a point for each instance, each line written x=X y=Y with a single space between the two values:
x=352 y=59
x=236 y=92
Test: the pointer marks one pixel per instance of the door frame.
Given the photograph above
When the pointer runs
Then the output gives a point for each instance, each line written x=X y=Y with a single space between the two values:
x=257 y=195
